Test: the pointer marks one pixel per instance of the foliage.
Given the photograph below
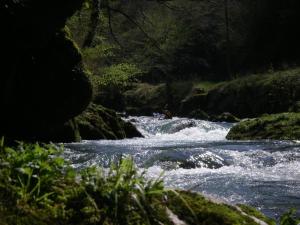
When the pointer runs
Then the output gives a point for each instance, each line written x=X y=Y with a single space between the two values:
x=119 y=74
x=187 y=39
x=29 y=176
x=288 y=218
x=251 y=211
x=38 y=187
x=128 y=196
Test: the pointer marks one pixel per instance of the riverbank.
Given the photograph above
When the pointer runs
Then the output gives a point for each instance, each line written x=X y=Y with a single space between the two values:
x=248 y=97
x=38 y=187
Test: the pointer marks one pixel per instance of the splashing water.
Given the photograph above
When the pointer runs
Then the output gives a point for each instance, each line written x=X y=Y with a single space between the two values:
x=194 y=155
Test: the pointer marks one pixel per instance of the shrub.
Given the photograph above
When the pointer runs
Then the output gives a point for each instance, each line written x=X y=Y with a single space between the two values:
x=289 y=218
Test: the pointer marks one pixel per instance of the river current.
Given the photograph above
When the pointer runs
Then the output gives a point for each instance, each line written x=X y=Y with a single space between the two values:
x=194 y=155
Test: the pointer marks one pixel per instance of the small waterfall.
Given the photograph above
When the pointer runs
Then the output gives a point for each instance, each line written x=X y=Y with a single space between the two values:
x=181 y=128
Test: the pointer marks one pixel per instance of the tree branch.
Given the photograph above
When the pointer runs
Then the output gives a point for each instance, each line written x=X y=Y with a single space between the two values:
x=94 y=20
x=111 y=29
x=154 y=42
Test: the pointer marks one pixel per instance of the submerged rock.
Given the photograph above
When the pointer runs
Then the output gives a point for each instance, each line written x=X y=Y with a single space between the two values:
x=202 y=210
x=204 y=160
x=285 y=126
x=176 y=127
x=247 y=97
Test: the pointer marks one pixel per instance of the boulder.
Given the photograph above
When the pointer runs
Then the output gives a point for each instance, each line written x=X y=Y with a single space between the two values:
x=256 y=95
x=284 y=126
x=98 y=122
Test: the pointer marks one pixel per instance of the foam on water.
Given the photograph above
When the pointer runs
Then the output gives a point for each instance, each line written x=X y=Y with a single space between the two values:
x=180 y=129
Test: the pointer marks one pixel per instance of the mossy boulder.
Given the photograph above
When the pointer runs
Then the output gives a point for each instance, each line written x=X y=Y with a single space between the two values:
x=194 y=209
x=98 y=122
x=285 y=126
x=248 y=97
x=255 y=95
x=43 y=81
x=255 y=213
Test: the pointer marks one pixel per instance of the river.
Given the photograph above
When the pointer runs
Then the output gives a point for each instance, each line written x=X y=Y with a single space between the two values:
x=194 y=155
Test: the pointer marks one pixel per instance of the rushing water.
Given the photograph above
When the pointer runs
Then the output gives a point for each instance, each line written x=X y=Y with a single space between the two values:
x=195 y=155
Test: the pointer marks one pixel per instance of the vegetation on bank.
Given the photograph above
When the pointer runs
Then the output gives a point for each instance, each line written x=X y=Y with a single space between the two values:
x=38 y=187
x=245 y=97
x=285 y=126
x=255 y=95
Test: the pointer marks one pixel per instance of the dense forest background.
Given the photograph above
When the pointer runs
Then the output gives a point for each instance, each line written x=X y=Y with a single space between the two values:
x=162 y=42
x=215 y=40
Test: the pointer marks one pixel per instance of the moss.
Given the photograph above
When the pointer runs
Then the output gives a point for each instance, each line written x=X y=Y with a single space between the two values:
x=98 y=122
x=195 y=209
x=285 y=126
x=255 y=95
x=257 y=214
x=204 y=86
x=57 y=194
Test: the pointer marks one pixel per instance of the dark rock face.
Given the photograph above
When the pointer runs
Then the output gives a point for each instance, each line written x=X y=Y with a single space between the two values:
x=43 y=83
